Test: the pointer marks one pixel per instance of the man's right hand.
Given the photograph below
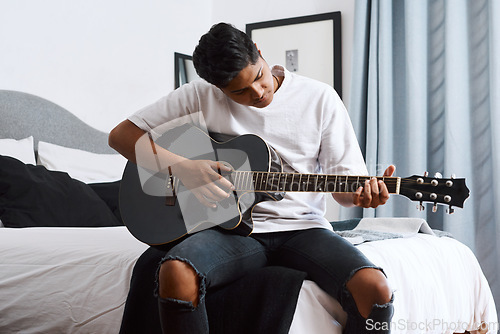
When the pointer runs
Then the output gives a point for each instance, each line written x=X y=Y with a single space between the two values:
x=203 y=179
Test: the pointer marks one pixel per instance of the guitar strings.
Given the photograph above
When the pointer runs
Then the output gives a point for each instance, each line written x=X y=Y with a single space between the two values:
x=247 y=180
x=254 y=181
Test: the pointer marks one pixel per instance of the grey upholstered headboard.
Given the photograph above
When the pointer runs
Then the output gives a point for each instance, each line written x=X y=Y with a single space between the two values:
x=23 y=115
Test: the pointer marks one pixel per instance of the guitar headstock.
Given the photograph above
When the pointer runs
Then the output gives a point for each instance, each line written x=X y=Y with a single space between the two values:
x=452 y=191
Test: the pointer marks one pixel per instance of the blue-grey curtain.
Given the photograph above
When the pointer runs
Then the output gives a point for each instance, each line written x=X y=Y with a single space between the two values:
x=425 y=96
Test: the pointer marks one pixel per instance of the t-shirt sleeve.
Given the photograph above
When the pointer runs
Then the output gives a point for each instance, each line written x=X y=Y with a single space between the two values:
x=178 y=107
x=339 y=152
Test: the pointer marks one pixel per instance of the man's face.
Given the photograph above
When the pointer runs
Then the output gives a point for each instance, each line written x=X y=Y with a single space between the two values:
x=253 y=86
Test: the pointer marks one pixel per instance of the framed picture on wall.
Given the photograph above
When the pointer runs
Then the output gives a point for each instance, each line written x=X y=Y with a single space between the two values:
x=307 y=45
x=184 y=69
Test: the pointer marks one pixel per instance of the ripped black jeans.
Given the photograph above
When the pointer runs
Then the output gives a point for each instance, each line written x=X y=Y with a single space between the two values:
x=220 y=257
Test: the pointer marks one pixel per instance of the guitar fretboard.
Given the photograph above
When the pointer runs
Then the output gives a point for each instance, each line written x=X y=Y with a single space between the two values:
x=296 y=182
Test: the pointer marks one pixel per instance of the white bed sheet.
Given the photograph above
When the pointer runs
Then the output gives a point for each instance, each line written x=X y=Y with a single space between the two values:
x=438 y=284
x=65 y=280
x=78 y=280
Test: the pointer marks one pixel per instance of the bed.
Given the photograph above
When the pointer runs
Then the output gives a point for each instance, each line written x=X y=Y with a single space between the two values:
x=70 y=271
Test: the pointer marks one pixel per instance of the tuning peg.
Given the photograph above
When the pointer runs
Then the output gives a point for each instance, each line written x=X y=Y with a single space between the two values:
x=453 y=176
x=438 y=175
x=450 y=210
x=420 y=206
x=426 y=174
x=435 y=207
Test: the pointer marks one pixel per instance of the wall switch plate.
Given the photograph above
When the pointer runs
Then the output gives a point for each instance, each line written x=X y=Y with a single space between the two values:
x=292 y=60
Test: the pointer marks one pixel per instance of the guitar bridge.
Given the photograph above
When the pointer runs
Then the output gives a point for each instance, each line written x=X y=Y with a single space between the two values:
x=170 y=200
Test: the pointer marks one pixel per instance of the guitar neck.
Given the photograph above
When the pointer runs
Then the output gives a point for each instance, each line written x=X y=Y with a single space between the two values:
x=297 y=182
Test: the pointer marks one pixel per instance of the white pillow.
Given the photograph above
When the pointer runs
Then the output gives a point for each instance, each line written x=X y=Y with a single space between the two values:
x=20 y=149
x=85 y=166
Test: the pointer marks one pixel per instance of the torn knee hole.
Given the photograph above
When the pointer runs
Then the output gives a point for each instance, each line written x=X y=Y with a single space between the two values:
x=179 y=280
x=369 y=288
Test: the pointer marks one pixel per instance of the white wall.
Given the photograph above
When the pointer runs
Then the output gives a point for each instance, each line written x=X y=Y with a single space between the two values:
x=101 y=60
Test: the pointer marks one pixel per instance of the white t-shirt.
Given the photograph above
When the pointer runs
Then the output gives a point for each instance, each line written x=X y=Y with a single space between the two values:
x=306 y=123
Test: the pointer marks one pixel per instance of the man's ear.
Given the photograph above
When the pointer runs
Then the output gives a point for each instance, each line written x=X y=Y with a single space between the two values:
x=258 y=49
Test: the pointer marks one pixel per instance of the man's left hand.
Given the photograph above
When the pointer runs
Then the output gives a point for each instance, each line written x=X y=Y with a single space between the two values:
x=373 y=193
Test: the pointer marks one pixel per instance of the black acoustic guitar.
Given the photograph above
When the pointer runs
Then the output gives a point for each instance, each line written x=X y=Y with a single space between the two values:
x=158 y=209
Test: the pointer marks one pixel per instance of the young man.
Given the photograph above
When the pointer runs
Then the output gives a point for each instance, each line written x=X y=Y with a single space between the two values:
x=307 y=124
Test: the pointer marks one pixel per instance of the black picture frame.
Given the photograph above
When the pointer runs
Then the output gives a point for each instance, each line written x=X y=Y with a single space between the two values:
x=184 y=71
x=279 y=37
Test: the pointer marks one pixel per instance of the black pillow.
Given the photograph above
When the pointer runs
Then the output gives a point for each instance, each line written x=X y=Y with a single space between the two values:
x=109 y=193
x=34 y=196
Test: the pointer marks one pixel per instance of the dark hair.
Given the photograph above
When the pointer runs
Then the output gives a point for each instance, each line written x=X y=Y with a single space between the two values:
x=222 y=53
